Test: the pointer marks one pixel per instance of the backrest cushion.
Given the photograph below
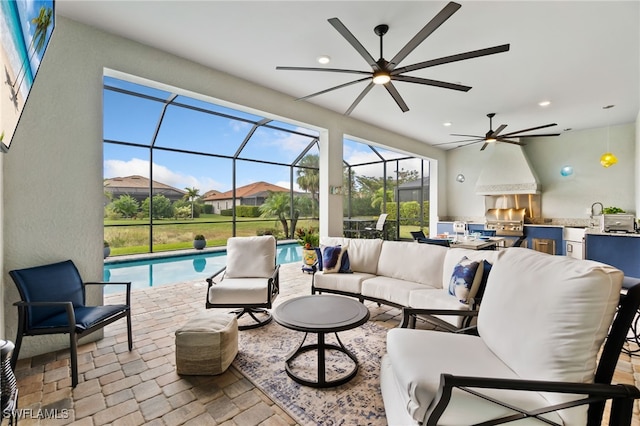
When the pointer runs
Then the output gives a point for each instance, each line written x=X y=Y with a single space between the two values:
x=546 y=316
x=251 y=257
x=410 y=261
x=56 y=282
x=363 y=253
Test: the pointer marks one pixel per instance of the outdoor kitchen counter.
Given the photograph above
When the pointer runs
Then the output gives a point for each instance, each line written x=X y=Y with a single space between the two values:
x=615 y=249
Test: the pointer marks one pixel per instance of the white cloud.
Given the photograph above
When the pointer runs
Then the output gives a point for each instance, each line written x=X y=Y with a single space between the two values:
x=136 y=166
x=285 y=184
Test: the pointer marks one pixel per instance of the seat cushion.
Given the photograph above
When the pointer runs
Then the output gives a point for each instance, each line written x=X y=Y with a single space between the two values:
x=390 y=289
x=86 y=317
x=350 y=283
x=239 y=291
x=438 y=299
x=251 y=257
x=418 y=357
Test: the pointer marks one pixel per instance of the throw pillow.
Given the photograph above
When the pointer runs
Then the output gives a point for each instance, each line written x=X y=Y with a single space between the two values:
x=319 y=256
x=465 y=277
x=331 y=258
x=345 y=265
x=483 y=282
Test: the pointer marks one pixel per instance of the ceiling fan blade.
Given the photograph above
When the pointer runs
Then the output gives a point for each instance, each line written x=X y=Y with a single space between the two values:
x=536 y=135
x=512 y=142
x=333 y=88
x=323 y=69
x=344 y=32
x=468 y=136
x=465 y=140
x=431 y=26
x=429 y=82
x=498 y=130
x=396 y=96
x=452 y=58
x=529 y=130
x=484 y=146
x=359 y=98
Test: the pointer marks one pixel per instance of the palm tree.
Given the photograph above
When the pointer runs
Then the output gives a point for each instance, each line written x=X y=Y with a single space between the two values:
x=377 y=200
x=42 y=23
x=191 y=195
x=309 y=176
x=278 y=204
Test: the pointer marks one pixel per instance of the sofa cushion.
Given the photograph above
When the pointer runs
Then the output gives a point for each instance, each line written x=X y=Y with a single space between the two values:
x=438 y=299
x=408 y=261
x=546 y=316
x=418 y=357
x=391 y=289
x=465 y=279
x=350 y=283
x=363 y=253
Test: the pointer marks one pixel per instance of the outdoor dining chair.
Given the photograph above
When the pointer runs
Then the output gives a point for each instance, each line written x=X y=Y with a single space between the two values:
x=53 y=302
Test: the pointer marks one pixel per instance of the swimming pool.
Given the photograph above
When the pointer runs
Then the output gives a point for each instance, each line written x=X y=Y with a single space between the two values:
x=151 y=272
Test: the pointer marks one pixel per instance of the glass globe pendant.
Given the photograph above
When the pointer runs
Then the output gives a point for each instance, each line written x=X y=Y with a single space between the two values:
x=608 y=159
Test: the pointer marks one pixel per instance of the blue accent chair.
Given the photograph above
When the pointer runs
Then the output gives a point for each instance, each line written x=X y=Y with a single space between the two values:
x=435 y=242
x=53 y=302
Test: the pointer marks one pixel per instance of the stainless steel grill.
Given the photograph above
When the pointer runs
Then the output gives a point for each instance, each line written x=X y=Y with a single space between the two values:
x=506 y=222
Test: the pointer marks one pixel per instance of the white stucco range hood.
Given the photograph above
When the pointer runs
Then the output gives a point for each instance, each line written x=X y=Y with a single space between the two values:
x=507 y=171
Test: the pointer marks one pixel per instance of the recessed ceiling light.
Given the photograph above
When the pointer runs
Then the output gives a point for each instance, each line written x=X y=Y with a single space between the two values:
x=447 y=124
x=544 y=103
x=324 y=59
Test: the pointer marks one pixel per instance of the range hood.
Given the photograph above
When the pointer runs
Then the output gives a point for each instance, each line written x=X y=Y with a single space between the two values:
x=507 y=171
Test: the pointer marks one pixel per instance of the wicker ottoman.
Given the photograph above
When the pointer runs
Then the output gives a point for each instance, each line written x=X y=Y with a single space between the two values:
x=206 y=344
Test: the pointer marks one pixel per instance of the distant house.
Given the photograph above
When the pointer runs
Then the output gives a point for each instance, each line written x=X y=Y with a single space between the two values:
x=253 y=194
x=410 y=191
x=138 y=187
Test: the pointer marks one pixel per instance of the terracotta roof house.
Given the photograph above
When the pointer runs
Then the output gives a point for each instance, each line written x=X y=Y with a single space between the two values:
x=138 y=187
x=253 y=194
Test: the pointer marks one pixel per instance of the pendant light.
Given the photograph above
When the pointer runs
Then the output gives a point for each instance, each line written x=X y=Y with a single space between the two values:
x=608 y=158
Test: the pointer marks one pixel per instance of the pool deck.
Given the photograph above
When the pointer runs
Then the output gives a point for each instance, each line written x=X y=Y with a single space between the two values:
x=174 y=253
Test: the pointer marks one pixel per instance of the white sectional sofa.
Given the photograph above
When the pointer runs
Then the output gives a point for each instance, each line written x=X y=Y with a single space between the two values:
x=401 y=274
x=543 y=319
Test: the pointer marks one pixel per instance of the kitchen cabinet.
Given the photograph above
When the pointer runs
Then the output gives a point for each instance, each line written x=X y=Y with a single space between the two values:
x=619 y=250
x=547 y=238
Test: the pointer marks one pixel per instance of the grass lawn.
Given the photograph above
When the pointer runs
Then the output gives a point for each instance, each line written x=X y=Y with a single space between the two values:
x=130 y=236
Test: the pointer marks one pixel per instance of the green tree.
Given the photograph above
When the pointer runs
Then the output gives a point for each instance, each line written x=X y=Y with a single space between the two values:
x=309 y=176
x=191 y=195
x=377 y=200
x=42 y=23
x=125 y=205
x=162 y=207
x=278 y=205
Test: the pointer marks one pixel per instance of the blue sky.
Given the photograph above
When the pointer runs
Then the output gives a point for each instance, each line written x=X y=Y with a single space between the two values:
x=131 y=119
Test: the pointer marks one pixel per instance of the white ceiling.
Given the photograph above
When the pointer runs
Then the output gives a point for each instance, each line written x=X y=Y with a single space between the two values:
x=580 y=55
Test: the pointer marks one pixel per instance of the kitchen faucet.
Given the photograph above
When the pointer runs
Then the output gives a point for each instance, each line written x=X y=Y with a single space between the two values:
x=593 y=212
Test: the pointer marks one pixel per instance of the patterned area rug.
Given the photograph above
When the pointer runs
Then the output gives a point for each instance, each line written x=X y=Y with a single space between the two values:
x=261 y=358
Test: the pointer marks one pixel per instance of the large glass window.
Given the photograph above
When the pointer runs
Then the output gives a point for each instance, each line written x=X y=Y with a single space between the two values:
x=176 y=167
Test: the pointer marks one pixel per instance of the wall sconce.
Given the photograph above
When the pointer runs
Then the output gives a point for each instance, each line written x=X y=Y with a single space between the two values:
x=335 y=190
x=460 y=178
x=566 y=171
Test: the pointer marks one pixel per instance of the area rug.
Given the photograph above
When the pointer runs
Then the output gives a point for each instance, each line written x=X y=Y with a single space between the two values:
x=261 y=358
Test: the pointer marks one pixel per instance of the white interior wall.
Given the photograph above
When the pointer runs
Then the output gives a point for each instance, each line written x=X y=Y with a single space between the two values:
x=562 y=197
x=52 y=178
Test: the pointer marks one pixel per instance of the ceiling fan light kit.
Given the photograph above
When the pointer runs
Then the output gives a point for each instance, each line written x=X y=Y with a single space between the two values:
x=385 y=72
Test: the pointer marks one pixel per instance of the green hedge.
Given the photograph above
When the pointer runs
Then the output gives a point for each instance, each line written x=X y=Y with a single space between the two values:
x=247 y=211
x=226 y=212
x=409 y=212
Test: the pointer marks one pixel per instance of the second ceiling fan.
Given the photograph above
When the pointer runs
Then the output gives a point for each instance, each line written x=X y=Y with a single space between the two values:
x=385 y=72
x=494 y=135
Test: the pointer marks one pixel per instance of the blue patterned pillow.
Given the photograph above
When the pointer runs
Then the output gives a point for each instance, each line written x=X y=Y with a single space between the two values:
x=464 y=278
x=335 y=259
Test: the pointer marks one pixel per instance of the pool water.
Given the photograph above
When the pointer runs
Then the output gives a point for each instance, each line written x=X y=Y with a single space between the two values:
x=159 y=271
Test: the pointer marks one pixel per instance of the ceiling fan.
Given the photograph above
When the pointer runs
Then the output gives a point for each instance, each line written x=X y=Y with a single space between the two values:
x=385 y=72
x=495 y=136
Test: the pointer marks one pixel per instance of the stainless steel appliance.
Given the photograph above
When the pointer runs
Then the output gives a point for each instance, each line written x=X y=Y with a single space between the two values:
x=618 y=222
x=506 y=222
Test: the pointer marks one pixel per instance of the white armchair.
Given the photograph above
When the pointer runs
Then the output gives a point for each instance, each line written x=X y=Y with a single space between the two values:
x=249 y=281
x=543 y=320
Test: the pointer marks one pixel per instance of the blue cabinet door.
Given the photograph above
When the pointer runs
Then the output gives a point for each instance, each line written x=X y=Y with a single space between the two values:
x=545 y=232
